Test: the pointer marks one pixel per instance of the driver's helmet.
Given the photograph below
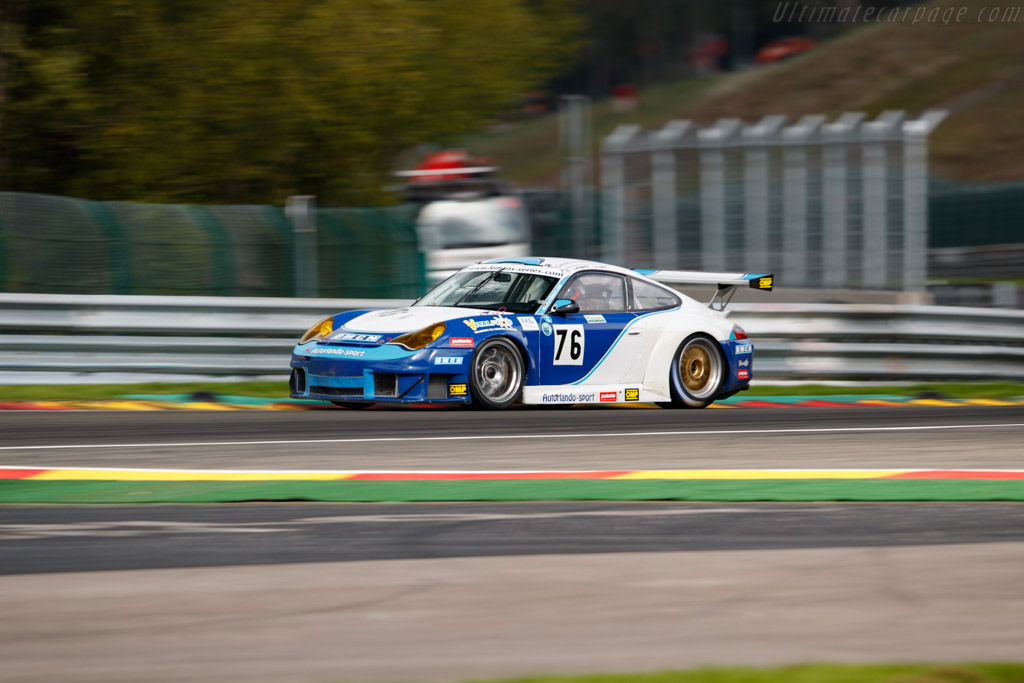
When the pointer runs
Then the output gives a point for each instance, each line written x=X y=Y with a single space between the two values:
x=590 y=293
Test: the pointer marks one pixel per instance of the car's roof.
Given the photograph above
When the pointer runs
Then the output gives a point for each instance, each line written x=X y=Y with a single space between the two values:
x=565 y=266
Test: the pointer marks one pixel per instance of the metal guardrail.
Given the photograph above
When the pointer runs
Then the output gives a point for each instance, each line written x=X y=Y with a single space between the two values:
x=883 y=342
x=86 y=339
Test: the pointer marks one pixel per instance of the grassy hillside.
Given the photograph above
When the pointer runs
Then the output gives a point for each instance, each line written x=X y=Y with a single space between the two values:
x=974 y=70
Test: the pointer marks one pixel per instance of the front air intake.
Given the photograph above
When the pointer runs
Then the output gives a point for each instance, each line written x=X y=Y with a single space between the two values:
x=385 y=384
x=437 y=387
x=297 y=382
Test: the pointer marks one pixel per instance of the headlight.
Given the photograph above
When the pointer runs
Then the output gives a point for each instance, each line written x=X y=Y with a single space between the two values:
x=318 y=331
x=417 y=340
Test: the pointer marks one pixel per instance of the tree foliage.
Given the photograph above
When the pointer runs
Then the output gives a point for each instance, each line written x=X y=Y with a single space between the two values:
x=254 y=100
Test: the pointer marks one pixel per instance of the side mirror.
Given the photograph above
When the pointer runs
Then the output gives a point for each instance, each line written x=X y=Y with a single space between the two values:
x=565 y=307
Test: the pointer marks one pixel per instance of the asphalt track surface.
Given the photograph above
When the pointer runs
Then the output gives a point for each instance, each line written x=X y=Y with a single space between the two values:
x=429 y=592
x=573 y=439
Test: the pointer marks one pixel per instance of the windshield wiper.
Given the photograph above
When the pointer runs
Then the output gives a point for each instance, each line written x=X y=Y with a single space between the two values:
x=474 y=290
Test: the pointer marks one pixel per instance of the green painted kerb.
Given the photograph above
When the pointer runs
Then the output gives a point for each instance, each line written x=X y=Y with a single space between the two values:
x=810 y=490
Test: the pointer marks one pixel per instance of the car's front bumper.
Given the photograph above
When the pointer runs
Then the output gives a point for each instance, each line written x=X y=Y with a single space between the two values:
x=382 y=374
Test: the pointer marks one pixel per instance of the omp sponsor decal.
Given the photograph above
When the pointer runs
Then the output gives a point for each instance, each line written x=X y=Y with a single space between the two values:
x=632 y=394
x=743 y=374
x=609 y=396
x=764 y=283
x=448 y=360
x=457 y=389
x=594 y=318
x=497 y=321
x=328 y=351
x=528 y=323
x=461 y=342
x=743 y=349
x=351 y=336
x=569 y=345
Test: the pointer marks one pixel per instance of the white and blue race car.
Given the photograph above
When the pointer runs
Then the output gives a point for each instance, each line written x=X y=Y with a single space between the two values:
x=538 y=331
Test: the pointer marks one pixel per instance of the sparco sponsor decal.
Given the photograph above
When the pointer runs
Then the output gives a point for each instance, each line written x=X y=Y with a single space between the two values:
x=609 y=396
x=496 y=321
x=461 y=342
x=337 y=352
x=744 y=348
x=566 y=397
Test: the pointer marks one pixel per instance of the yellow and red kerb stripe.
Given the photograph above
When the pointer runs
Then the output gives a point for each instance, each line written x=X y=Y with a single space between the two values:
x=118 y=474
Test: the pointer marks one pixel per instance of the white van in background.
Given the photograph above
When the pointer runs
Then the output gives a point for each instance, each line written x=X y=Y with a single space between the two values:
x=466 y=215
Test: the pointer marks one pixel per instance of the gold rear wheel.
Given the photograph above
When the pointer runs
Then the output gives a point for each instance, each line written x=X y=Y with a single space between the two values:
x=697 y=373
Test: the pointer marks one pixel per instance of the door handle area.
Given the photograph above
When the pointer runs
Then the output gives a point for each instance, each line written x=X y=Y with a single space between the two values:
x=635 y=331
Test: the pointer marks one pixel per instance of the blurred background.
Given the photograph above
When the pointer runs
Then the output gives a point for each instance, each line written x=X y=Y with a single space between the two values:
x=355 y=148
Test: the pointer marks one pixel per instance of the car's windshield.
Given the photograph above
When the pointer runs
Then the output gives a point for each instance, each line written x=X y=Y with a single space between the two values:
x=491 y=290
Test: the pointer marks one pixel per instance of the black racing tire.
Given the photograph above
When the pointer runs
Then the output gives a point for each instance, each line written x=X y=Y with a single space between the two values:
x=352 y=405
x=496 y=374
x=697 y=374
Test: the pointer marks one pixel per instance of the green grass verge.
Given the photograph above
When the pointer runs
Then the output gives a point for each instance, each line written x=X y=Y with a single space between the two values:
x=808 y=490
x=279 y=390
x=813 y=673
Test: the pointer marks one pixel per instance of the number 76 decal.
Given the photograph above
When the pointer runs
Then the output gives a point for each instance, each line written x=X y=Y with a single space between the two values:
x=568 y=345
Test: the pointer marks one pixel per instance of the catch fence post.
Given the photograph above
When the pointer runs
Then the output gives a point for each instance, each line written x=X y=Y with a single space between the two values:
x=797 y=139
x=874 y=135
x=915 y=198
x=712 y=191
x=757 y=139
x=613 y=192
x=836 y=136
x=665 y=194
x=300 y=212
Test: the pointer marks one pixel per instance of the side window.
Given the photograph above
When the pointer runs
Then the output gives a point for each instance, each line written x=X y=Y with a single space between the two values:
x=648 y=297
x=597 y=292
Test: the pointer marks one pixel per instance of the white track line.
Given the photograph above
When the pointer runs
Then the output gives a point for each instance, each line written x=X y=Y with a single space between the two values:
x=492 y=437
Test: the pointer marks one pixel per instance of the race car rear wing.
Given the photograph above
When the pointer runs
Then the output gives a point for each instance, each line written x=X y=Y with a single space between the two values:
x=726 y=282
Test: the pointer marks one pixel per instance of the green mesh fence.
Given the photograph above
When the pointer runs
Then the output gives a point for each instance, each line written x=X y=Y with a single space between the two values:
x=76 y=246
x=975 y=214
x=369 y=253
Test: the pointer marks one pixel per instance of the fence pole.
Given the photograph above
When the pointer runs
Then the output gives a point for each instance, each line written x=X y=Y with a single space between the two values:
x=299 y=211
x=796 y=139
x=575 y=141
x=712 y=191
x=834 y=196
x=613 y=191
x=665 y=195
x=756 y=194
x=876 y=211
x=915 y=198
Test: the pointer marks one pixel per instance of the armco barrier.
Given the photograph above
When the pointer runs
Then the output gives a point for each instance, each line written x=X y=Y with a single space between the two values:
x=67 y=339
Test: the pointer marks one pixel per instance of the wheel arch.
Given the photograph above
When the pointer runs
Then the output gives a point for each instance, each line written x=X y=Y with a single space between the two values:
x=521 y=345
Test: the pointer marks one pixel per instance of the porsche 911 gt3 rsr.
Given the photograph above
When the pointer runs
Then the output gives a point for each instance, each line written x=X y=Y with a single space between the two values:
x=541 y=331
